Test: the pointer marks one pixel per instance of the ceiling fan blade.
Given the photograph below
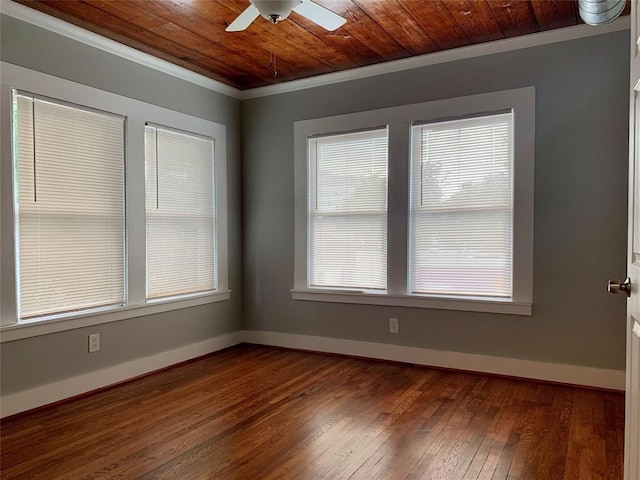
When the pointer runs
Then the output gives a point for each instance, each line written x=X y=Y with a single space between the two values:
x=243 y=20
x=320 y=15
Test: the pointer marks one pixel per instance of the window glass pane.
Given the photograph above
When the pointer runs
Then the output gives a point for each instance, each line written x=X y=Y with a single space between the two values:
x=462 y=207
x=180 y=213
x=69 y=165
x=348 y=210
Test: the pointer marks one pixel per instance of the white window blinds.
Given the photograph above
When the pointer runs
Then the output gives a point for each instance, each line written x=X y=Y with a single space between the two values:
x=348 y=211
x=462 y=207
x=69 y=165
x=180 y=213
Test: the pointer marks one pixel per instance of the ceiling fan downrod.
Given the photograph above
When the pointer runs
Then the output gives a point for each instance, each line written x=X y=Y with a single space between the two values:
x=273 y=18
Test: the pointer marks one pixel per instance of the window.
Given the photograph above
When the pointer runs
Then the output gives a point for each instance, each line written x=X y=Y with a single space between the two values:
x=180 y=213
x=462 y=207
x=111 y=208
x=452 y=206
x=69 y=165
x=348 y=210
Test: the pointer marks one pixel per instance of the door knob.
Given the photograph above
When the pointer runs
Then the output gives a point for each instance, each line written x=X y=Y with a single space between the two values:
x=616 y=286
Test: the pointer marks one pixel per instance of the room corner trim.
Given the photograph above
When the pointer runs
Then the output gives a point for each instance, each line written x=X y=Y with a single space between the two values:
x=53 y=392
x=551 y=372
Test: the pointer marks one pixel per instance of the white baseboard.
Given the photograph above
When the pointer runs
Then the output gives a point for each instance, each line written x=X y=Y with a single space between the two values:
x=553 y=372
x=36 y=397
x=69 y=387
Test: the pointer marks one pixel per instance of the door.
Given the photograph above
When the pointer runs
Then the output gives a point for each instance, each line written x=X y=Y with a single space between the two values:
x=632 y=411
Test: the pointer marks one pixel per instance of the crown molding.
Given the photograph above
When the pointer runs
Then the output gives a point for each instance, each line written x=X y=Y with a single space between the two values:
x=42 y=20
x=39 y=19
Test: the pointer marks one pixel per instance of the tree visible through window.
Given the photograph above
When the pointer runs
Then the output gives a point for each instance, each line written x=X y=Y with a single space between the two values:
x=462 y=207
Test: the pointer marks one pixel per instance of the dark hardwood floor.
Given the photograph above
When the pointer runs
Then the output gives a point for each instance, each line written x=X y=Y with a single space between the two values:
x=262 y=413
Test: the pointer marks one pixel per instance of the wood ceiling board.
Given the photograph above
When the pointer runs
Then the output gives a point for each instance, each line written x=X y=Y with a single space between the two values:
x=515 y=17
x=555 y=13
x=476 y=20
x=436 y=20
x=293 y=40
x=360 y=52
x=361 y=26
x=394 y=19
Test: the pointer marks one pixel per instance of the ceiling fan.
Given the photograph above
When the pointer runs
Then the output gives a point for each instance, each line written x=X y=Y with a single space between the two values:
x=277 y=10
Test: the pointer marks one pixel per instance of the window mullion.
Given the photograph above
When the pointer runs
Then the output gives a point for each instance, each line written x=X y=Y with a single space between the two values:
x=8 y=294
x=398 y=204
x=135 y=212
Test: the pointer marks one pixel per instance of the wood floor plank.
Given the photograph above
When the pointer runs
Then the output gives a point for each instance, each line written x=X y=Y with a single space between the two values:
x=255 y=412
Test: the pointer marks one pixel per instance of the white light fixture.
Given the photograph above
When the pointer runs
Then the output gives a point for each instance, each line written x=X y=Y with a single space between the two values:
x=275 y=10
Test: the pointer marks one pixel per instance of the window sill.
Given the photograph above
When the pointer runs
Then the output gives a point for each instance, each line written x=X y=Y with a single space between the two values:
x=416 y=301
x=22 y=330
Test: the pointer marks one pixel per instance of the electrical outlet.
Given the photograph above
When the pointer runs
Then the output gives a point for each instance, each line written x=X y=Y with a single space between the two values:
x=394 y=325
x=94 y=343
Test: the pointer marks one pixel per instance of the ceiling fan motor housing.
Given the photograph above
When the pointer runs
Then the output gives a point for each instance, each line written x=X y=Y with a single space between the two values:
x=275 y=10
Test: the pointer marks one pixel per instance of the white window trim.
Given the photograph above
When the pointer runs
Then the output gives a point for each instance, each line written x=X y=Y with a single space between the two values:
x=399 y=120
x=138 y=113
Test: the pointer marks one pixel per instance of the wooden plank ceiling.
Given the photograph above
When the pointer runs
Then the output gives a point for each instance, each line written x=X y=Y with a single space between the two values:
x=191 y=33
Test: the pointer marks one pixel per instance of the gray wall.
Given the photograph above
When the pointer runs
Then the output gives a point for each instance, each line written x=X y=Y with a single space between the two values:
x=580 y=206
x=39 y=360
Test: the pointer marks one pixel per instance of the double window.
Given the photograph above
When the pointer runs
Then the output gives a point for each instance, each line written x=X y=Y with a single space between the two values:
x=434 y=209
x=118 y=207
